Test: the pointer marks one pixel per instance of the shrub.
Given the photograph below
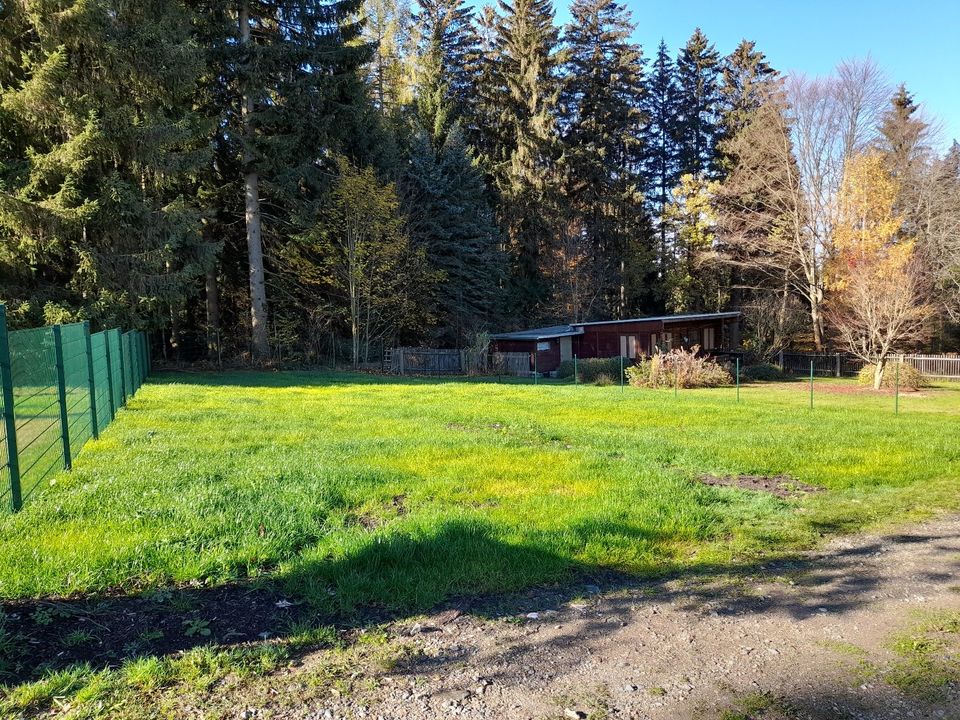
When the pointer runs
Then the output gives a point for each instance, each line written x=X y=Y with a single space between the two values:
x=910 y=377
x=681 y=367
x=762 y=372
x=603 y=380
x=591 y=369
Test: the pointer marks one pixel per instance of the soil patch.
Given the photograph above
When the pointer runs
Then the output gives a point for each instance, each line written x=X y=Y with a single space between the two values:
x=780 y=485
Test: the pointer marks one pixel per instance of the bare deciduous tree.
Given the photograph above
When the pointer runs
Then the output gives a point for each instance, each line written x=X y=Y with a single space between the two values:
x=778 y=205
x=878 y=313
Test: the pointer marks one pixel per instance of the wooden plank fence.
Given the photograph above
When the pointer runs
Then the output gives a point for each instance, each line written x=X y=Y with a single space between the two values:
x=941 y=367
x=434 y=361
x=944 y=367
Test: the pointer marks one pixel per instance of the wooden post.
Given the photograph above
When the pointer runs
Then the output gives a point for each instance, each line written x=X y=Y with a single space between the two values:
x=9 y=420
x=839 y=374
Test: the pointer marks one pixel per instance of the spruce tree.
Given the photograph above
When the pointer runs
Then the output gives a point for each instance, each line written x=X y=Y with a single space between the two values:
x=660 y=99
x=524 y=95
x=602 y=116
x=97 y=189
x=449 y=216
x=296 y=73
x=902 y=136
x=698 y=97
x=447 y=53
x=748 y=81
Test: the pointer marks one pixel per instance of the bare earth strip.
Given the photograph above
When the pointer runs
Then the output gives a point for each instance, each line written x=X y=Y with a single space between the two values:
x=810 y=639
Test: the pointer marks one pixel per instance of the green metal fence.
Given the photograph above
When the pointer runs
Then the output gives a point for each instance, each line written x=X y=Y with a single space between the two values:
x=61 y=385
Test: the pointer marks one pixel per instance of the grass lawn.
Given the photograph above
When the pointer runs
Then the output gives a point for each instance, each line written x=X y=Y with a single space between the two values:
x=355 y=491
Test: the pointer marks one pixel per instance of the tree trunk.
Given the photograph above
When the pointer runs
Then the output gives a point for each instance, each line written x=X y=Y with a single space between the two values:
x=251 y=181
x=878 y=373
x=816 y=319
x=213 y=314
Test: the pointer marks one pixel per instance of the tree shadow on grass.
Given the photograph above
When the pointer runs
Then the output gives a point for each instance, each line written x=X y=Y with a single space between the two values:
x=399 y=576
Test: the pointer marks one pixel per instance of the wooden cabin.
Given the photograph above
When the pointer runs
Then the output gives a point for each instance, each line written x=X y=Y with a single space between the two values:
x=632 y=338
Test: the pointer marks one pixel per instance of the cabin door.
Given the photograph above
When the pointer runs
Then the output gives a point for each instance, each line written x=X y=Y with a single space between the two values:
x=566 y=349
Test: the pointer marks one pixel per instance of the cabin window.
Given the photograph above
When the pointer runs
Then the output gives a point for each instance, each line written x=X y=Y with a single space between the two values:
x=709 y=338
x=541 y=346
x=668 y=341
x=628 y=346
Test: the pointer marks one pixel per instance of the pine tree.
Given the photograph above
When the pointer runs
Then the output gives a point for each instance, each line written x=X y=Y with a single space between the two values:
x=698 y=97
x=602 y=115
x=660 y=110
x=96 y=190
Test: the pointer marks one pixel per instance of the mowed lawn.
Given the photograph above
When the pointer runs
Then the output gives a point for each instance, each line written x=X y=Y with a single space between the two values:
x=355 y=490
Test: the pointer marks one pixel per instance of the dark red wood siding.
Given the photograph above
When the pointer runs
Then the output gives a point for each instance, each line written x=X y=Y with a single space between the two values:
x=547 y=360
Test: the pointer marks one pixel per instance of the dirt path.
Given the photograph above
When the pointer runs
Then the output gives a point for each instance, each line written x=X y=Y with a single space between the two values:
x=810 y=639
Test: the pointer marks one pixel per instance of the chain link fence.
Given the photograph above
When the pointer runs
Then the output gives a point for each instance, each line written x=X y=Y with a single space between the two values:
x=61 y=386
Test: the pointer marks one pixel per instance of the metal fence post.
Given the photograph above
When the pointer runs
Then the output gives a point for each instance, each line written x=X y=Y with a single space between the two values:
x=94 y=430
x=576 y=377
x=811 y=384
x=62 y=396
x=896 y=391
x=9 y=420
x=110 y=400
x=738 y=379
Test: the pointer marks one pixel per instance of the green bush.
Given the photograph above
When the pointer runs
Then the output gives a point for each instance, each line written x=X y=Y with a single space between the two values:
x=910 y=378
x=679 y=367
x=591 y=369
x=762 y=372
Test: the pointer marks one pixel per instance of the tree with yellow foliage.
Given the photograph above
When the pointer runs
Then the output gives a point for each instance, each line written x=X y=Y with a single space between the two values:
x=692 y=286
x=876 y=283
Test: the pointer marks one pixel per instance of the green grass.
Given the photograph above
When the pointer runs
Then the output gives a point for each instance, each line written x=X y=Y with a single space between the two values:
x=355 y=490
x=927 y=661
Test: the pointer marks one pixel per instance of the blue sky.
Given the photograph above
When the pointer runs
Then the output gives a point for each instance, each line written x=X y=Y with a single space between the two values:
x=915 y=41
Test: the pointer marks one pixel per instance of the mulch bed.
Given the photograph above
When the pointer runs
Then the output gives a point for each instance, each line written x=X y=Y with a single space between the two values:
x=782 y=486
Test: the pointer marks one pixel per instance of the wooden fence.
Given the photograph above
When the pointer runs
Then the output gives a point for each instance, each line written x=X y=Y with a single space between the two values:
x=432 y=361
x=946 y=367
x=942 y=367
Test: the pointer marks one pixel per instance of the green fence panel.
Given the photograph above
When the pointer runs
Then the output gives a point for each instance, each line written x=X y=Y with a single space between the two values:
x=115 y=350
x=128 y=385
x=76 y=378
x=33 y=370
x=135 y=354
x=61 y=386
x=101 y=379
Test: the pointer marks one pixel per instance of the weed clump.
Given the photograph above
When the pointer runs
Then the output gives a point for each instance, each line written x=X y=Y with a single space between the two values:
x=681 y=368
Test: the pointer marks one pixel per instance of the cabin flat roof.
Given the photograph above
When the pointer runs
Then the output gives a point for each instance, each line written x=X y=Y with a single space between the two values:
x=557 y=331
